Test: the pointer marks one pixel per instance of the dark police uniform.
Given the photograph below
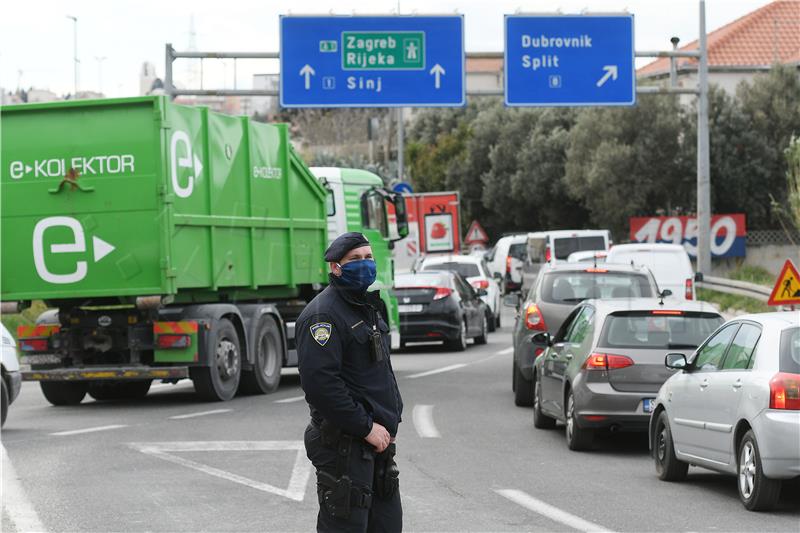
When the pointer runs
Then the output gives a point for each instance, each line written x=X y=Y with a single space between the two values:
x=345 y=371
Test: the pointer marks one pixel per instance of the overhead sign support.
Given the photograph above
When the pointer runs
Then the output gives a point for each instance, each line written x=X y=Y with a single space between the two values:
x=394 y=61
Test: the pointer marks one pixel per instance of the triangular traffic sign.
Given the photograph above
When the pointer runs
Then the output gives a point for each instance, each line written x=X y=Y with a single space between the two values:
x=476 y=234
x=787 y=288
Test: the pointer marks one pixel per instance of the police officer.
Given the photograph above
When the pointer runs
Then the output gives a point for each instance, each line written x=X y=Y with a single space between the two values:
x=346 y=374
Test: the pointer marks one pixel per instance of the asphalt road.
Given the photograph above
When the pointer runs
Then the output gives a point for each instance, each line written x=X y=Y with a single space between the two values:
x=469 y=459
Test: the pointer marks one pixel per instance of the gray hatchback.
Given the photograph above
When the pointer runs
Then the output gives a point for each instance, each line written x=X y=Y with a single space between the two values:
x=605 y=365
x=553 y=296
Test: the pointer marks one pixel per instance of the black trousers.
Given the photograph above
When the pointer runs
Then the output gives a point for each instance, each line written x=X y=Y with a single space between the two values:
x=383 y=516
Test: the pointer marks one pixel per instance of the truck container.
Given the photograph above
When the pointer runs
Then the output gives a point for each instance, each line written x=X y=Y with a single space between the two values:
x=171 y=241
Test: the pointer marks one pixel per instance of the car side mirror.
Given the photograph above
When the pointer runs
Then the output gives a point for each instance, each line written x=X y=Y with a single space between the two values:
x=511 y=300
x=543 y=339
x=675 y=361
x=481 y=292
x=665 y=293
x=498 y=276
x=698 y=277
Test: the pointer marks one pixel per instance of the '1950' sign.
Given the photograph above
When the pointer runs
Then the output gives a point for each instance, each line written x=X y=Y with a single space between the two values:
x=727 y=233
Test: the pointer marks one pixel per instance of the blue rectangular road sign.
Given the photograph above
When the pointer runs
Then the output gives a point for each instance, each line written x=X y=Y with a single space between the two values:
x=395 y=61
x=569 y=60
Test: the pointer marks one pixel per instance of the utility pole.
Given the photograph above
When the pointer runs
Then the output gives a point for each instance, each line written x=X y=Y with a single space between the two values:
x=703 y=155
x=100 y=60
x=75 y=53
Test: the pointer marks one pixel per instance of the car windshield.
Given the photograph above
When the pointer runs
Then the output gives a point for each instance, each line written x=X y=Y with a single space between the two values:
x=790 y=351
x=518 y=251
x=644 y=329
x=468 y=270
x=432 y=279
x=575 y=286
x=567 y=245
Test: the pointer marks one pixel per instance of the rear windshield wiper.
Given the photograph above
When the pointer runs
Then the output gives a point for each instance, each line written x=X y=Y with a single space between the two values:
x=679 y=345
x=572 y=299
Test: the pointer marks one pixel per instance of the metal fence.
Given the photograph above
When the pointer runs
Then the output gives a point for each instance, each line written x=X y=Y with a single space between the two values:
x=732 y=286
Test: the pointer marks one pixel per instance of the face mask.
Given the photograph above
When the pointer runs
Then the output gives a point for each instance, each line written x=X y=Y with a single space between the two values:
x=359 y=274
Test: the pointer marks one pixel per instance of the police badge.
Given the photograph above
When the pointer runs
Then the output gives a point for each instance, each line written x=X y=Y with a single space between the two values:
x=321 y=331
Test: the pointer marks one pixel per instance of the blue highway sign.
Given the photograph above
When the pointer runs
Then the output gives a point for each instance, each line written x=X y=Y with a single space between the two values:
x=399 y=61
x=569 y=60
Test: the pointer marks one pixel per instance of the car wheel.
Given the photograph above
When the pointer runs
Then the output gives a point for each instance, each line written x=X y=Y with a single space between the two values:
x=481 y=339
x=757 y=492
x=523 y=390
x=64 y=392
x=491 y=322
x=4 y=394
x=497 y=319
x=459 y=344
x=668 y=466
x=540 y=420
x=219 y=380
x=266 y=373
x=578 y=438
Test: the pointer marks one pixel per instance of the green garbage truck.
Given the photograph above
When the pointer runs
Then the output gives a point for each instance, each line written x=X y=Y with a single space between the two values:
x=170 y=242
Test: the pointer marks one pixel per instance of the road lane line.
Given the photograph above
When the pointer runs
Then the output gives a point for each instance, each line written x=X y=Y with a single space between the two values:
x=423 y=422
x=201 y=413
x=545 y=509
x=437 y=371
x=16 y=504
x=89 y=430
x=291 y=400
x=505 y=351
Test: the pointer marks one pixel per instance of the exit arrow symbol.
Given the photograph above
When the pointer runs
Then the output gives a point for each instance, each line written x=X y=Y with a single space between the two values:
x=611 y=72
x=307 y=71
x=438 y=72
x=101 y=248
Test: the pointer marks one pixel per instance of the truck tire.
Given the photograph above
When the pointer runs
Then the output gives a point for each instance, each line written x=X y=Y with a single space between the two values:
x=219 y=381
x=268 y=350
x=119 y=390
x=64 y=392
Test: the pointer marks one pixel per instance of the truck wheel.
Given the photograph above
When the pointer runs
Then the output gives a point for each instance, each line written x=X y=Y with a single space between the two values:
x=219 y=381
x=64 y=392
x=4 y=413
x=266 y=373
x=119 y=390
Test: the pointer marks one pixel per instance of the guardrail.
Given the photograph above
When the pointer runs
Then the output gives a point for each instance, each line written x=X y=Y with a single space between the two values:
x=732 y=286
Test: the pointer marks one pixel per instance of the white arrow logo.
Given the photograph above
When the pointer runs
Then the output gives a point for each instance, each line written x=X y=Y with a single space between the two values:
x=307 y=71
x=198 y=167
x=611 y=72
x=438 y=72
x=101 y=248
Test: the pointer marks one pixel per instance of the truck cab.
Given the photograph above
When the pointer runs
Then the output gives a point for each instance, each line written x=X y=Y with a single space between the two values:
x=358 y=201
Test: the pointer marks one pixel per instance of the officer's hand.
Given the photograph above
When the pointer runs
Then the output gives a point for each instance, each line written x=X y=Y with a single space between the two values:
x=378 y=437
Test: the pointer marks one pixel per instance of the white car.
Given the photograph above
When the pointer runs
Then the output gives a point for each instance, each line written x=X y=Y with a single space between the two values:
x=588 y=256
x=12 y=379
x=734 y=407
x=475 y=271
x=669 y=263
x=505 y=261
x=555 y=246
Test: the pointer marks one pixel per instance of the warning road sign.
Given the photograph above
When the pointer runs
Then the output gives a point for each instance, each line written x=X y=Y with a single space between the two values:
x=787 y=288
x=476 y=234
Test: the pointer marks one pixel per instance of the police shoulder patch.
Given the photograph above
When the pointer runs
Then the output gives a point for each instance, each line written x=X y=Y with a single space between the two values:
x=321 y=331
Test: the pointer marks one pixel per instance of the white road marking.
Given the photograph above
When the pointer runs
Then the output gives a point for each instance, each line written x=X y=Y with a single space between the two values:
x=201 y=413
x=545 y=509
x=291 y=400
x=437 y=371
x=297 y=483
x=423 y=422
x=16 y=504
x=505 y=351
x=88 y=430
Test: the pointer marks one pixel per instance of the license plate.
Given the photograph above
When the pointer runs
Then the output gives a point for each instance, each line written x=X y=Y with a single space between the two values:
x=648 y=404
x=413 y=308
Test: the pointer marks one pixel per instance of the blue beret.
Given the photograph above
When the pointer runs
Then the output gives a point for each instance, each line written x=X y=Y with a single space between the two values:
x=343 y=244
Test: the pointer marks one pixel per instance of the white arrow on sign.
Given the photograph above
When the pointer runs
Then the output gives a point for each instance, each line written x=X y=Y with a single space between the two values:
x=307 y=71
x=198 y=167
x=611 y=72
x=438 y=72
x=101 y=248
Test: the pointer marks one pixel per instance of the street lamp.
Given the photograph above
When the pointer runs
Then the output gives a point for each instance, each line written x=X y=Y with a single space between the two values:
x=75 y=54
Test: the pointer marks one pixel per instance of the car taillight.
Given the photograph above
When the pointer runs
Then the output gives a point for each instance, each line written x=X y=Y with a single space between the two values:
x=480 y=284
x=689 y=291
x=606 y=361
x=33 y=345
x=534 y=318
x=784 y=391
x=442 y=292
x=547 y=255
x=508 y=264
x=165 y=342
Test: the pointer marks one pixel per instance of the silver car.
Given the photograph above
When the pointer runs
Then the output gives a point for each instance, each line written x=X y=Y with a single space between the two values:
x=604 y=367
x=734 y=407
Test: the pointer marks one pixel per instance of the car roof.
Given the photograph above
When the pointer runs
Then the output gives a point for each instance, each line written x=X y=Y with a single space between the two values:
x=569 y=233
x=647 y=247
x=455 y=258
x=611 y=305
x=779 y=319
x=582 y=267
x=515 y=238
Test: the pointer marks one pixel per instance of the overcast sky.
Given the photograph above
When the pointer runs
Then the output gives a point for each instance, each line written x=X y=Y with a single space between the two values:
x=36 y=37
